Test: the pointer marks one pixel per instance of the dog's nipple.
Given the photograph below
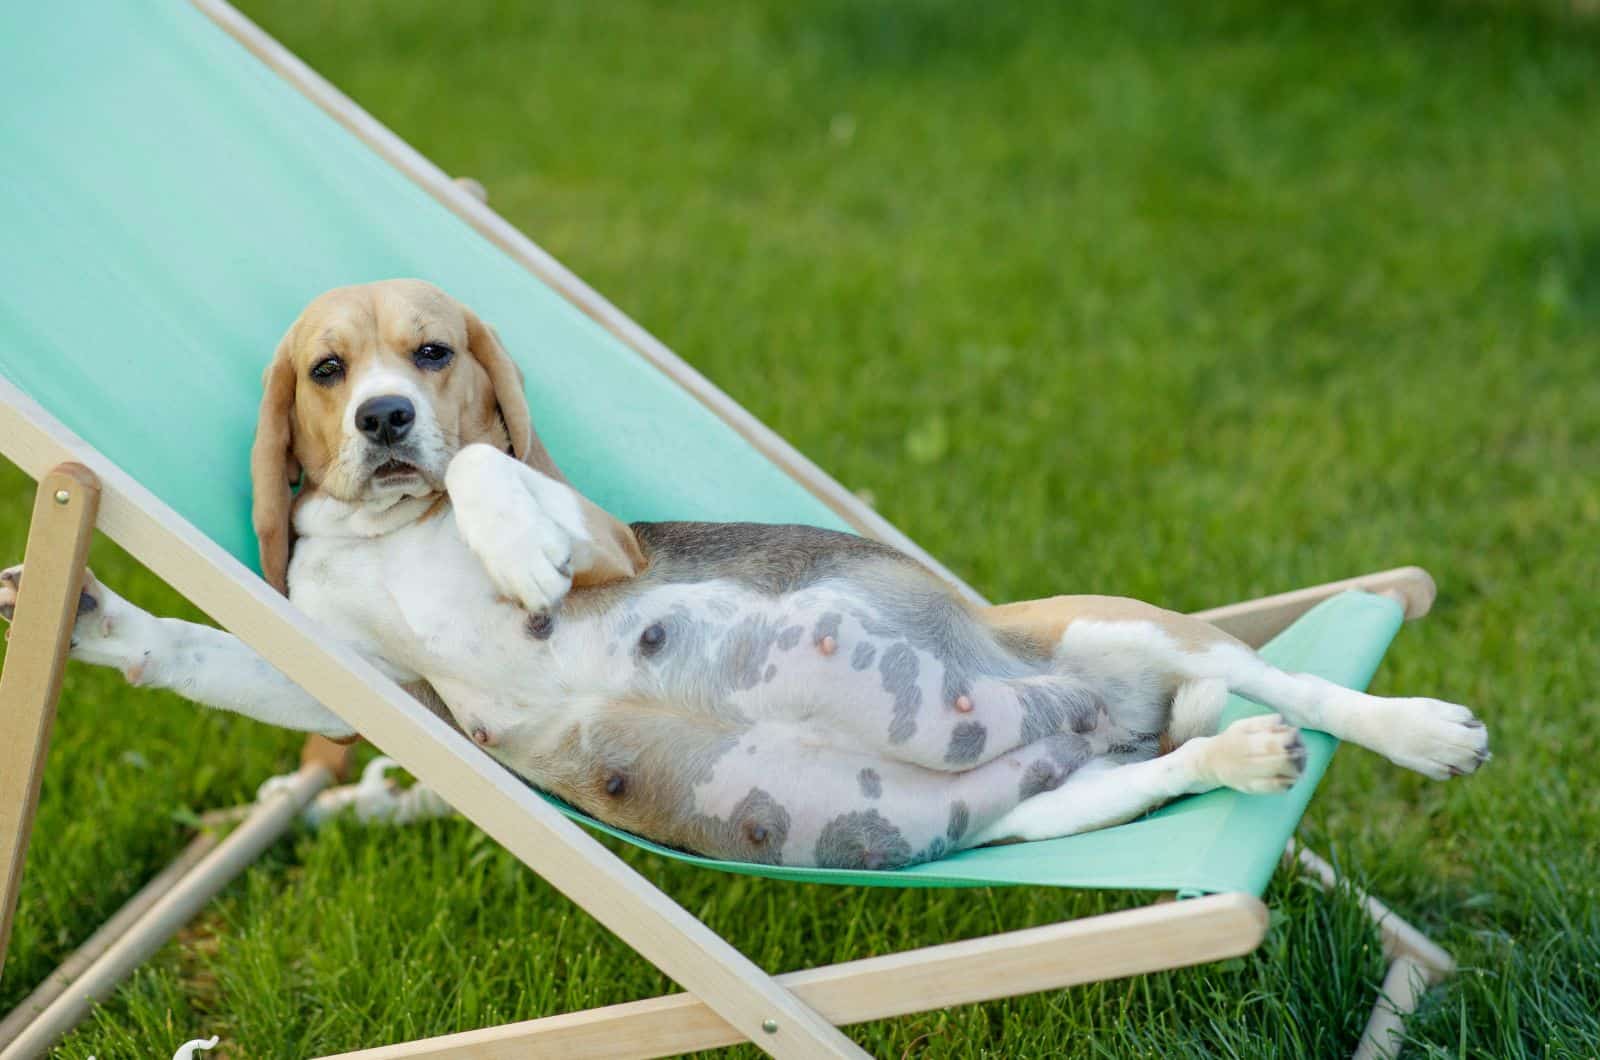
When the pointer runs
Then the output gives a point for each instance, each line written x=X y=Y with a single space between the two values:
x=480 y=736
x=541 y=625
x=653 y=638
x=827 y=645
x=964 y=704
x=616 y=784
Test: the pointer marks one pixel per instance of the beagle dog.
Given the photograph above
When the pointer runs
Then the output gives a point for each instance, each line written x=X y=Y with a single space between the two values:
x=779 y=694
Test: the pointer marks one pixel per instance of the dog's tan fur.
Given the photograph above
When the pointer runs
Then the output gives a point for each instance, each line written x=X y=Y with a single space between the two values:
x=1047 y=620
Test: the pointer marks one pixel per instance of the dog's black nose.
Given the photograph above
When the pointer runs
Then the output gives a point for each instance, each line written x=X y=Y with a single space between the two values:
x=385 y=420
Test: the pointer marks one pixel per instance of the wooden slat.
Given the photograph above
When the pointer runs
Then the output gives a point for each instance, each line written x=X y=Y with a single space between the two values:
x=41 y=633
x=1257 y=621
x=1113 y=946
x=570 y=859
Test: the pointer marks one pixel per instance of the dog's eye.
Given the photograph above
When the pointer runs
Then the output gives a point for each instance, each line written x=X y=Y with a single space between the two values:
x=432 y=356
x=328 y=370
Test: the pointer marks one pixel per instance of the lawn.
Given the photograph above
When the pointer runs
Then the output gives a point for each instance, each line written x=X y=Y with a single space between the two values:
x=1186 y=302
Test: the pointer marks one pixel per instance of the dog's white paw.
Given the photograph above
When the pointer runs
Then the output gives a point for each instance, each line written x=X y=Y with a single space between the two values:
x=1437 y=739
x=91 y=603
x=525 y=528
x=109 y=631
x=1260 y=755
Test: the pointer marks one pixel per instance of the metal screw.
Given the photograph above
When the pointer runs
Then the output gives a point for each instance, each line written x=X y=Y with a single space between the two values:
x=770 y=1026
x=62 y=496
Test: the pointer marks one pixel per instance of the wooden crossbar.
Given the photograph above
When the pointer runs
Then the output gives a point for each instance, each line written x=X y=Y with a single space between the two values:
x=1110 y=946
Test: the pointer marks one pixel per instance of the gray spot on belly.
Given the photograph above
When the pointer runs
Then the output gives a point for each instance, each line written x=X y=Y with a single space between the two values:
x=1085 y=721
x=827 y=626
x=861 y=840
x=720 y=607
x=960 y=818
x=742 y=660
x=1061 y=755
x=955 y=683
x=871 y=783
x=772 y=671
x=789 y=637
x=862 y=657
x=899 y=668
x=755 y=831
x=1051 y=705
x=966 y=743
x=1040 y=776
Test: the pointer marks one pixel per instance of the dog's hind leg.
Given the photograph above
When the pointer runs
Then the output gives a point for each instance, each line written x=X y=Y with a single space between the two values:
x=1436 y=738
x=1259 y=754
x=1123 y=642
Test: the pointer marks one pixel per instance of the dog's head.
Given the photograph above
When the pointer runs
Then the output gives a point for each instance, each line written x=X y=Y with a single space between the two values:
x=372 y=391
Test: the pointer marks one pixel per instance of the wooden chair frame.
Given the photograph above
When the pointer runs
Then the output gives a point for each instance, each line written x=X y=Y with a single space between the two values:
x=729 y=999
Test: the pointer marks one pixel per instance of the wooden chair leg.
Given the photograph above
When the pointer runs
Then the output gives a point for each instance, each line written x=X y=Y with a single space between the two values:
x=1417 y=962
x=1398 y=998
x=152 y=917
x=64 y=513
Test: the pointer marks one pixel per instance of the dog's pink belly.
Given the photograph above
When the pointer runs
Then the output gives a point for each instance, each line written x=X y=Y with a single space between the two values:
x=864 y=693
x=826 y=660
x=837 y=809
x=804 y=720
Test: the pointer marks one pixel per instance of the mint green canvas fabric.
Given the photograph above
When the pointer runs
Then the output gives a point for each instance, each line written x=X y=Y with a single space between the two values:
x=169 y=205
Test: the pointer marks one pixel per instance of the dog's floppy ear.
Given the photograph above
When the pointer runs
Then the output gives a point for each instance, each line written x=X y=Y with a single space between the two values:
x=273 y=467
x=506 y=378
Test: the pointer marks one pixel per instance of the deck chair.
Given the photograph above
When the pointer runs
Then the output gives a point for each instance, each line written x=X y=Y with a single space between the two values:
x=189 y=186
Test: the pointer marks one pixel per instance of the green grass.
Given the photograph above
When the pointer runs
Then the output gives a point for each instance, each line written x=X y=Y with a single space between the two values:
x=1188 y=302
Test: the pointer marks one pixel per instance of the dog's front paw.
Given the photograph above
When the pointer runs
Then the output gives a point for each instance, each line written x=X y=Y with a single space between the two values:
x=525 y=528
x=109 y=631
x=1260 y=755
x=1437 y=739
x=91 y=600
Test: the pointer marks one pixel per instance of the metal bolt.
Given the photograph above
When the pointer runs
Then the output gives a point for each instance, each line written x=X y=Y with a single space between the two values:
x=62 y=496
x=770 y=1026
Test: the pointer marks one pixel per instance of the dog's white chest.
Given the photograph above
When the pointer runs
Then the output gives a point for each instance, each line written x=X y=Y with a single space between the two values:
x=415 y=598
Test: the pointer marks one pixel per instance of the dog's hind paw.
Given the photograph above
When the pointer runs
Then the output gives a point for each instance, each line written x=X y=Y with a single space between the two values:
x=1437 y=739
x=1260 y=755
